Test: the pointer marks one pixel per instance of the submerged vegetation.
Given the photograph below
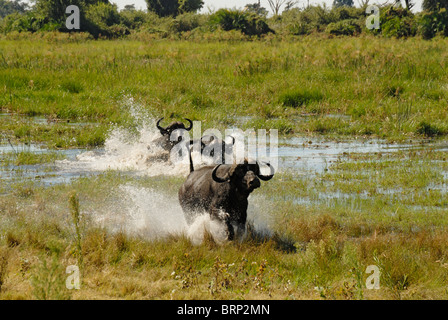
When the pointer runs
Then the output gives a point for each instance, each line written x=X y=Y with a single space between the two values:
x=28 y=158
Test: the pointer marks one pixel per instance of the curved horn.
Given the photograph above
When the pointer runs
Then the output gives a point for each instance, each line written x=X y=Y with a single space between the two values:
x=233 y=139
x=162 y=130
x=218 y=179
x=269 y=177
x=191 y=124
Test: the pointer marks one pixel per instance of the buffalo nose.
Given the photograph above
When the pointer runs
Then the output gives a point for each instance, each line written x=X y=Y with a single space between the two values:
x=254 y=183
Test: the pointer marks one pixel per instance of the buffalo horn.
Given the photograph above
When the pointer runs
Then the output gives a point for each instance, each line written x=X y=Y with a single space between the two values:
x=162 y=130
x=269 y=177
x=218 y=179
x=191 y=124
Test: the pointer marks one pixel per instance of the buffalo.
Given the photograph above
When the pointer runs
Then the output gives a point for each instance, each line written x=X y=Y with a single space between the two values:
x=210 y=145
x=221 y=191
x=215 y=148
x=165 y=140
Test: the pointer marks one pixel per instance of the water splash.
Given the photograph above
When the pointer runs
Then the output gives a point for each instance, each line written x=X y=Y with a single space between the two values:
x=139 y=211
x=151 y=214
x=133 y=149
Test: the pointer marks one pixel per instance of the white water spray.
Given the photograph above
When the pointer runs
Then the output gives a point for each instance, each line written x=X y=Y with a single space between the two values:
x=140 y=211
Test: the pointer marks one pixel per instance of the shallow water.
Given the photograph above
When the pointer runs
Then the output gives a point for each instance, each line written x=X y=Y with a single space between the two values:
x=47 y=174
x=315 y=156
x=152 y=213
x=124 y=151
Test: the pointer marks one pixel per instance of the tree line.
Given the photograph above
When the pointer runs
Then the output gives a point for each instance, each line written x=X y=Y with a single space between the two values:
x=170 y=18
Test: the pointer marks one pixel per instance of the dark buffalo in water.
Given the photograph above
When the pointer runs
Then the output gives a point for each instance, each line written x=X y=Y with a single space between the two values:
x=165 y=140
x=222 y=191
x=215 y=148
x=210 y=145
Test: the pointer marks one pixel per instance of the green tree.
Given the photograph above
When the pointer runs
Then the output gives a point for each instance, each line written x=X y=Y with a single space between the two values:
x=435 y=5
x=342 y=3
x=55 y=9
x=103 y=14
x=8 y=7
x=133 y=19
x=190 y=5
x=105 y=20
x=257 y=9
x=247 y=22
x=129 y=7
x=164 y=8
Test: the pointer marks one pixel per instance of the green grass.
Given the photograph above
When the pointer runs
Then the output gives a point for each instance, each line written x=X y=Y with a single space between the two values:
x=318 y=250
x=389 y=87
x=29 y=158
x=54 y=135
x=297 y=98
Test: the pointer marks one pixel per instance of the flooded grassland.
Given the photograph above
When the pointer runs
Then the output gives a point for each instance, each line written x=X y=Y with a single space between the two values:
x=334 y=207
x=361 y=178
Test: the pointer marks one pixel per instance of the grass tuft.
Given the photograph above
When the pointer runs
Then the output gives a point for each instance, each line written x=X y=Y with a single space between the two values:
x=298 y=98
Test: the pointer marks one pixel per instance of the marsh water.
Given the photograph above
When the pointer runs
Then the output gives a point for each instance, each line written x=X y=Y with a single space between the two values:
x=135 y=154
x=302 y=155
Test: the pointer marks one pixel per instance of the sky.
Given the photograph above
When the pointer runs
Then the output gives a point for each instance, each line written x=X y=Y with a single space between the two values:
x=218 y=4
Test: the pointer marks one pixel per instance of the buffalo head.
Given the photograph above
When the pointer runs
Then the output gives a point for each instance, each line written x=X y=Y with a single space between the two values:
x=245 y=177
x=213 y=147
x=173 y=126
x=165 y=140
